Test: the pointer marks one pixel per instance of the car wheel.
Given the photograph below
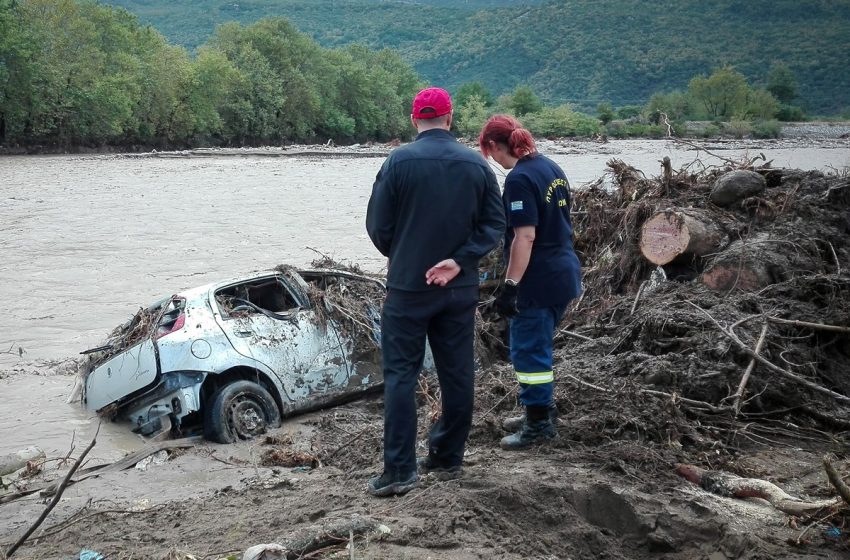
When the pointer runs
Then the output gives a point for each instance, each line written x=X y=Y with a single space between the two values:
x=240 y=410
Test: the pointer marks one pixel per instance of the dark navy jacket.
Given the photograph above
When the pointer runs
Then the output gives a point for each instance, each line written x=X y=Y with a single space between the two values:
x=434 y=199
x=537 y=193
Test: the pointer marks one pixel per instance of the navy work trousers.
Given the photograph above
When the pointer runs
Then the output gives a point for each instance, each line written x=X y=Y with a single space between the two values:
x=531 y=339
x=447 y=317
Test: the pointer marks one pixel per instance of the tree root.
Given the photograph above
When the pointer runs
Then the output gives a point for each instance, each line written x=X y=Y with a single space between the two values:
x=729 y=485
x=337 y=533
x=770 y=365
x=835 y=479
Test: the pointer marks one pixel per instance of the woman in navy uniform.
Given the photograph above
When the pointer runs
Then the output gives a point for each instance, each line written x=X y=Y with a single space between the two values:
x=543 y=272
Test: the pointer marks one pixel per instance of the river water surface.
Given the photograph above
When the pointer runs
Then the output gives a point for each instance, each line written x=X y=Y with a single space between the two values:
x=86 y=240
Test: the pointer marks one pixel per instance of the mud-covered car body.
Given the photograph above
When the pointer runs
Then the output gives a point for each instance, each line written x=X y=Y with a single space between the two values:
x=220 y=352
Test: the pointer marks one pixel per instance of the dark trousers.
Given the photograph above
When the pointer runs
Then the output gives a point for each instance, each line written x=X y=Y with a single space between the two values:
x=447 y=317
x=532 y=332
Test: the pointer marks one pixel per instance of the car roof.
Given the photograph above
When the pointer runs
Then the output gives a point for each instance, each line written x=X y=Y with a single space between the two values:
x=203 y=290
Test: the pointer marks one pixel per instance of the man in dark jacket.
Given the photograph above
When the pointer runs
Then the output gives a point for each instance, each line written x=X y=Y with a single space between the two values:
x=435 y=211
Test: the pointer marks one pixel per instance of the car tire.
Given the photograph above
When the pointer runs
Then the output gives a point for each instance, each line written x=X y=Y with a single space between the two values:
x=240 y=410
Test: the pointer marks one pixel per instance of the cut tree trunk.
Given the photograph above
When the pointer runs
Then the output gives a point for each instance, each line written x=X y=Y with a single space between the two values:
x=679 y=232
x=758 y=261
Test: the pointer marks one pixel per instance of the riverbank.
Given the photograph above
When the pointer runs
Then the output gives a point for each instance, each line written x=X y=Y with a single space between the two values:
x=799 y=132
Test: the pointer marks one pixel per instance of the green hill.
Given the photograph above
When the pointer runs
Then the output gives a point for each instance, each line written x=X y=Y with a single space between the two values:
x=582 y=52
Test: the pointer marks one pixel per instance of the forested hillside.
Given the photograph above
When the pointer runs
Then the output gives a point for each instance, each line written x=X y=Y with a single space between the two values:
x=584 y=52
x=77 y=73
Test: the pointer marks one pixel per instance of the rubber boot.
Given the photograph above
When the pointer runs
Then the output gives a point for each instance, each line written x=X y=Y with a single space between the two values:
x=514 y=423
x=536 y=429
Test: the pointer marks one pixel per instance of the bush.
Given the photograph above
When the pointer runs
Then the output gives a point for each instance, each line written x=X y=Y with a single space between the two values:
x=605 y=112
x=711 y=131
x=761 y=105
x=561 y=121
x=739 y=128
x=629 y=111
x=676 y=105
x=790 y=113
x=471 y=116
x=633 y=129
x=767 y=129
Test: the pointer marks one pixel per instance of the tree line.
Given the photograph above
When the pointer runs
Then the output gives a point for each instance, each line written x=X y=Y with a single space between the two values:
x=78 y=73
x=724 y=99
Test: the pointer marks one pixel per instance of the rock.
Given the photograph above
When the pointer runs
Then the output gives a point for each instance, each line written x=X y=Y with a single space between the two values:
x=270 y=551
x=15 y=461
x=158 y=458
x=736 y=185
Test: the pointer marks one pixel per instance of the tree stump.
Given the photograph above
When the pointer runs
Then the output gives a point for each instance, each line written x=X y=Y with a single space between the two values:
x=758 y=261
x=674 y=233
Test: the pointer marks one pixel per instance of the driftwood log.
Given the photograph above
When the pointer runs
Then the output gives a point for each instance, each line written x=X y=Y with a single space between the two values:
x=729 y=485
x=758 y=261
x=56 y=497
x=49 y=488
x=678 y=232
x=18 y=460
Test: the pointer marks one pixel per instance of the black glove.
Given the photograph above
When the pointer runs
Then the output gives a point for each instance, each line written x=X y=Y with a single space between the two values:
x=506 y=300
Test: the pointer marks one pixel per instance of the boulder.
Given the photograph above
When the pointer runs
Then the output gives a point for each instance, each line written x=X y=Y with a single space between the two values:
x=736 y=185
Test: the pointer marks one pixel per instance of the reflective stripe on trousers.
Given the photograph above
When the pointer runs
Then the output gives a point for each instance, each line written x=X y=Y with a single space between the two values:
x=535 y=378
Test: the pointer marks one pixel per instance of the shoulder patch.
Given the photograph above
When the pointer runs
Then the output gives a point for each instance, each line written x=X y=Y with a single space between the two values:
x=516 y=205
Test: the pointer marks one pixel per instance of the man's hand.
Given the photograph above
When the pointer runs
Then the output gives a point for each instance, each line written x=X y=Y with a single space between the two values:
x=442 y=273
x=506 y=300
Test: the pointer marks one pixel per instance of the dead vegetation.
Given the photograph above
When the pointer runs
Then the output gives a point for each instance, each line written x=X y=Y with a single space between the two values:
x=658 y=355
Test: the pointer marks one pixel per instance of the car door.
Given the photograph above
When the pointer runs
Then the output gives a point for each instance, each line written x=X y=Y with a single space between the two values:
x=134 y=368
x=123 y=374
x=272 y=322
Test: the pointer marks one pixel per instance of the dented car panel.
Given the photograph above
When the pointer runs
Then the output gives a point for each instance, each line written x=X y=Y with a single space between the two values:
x=134 y=369
x=263 y=329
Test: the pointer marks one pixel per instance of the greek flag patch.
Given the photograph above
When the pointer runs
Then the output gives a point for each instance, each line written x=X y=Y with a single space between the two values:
x=516 y=205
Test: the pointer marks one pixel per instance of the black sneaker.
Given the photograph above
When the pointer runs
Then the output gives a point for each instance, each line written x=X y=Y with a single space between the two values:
x=388 y=485
x=427 y=465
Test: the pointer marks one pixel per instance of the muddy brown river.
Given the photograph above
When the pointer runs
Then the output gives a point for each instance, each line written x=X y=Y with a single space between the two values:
x=86 y=240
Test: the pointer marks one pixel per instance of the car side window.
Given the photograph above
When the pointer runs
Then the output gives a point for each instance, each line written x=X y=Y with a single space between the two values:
x=268 y=296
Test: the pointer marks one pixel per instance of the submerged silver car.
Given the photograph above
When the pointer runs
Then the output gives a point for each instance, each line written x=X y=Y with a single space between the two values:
x=237 y=356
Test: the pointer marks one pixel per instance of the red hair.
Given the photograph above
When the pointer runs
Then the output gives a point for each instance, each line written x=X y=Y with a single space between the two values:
x=506 y=130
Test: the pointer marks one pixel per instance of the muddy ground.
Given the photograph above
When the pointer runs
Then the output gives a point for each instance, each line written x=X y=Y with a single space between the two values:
x=609 y=499
x=645 y=371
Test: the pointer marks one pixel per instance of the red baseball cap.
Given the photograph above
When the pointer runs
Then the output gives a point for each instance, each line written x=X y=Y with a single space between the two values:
x=431 y=103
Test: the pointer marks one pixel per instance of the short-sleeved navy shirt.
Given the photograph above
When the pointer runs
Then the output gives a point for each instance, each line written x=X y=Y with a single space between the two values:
x=537 y=194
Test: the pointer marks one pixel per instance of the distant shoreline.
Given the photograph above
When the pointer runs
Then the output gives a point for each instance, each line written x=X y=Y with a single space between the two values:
x=802 y=131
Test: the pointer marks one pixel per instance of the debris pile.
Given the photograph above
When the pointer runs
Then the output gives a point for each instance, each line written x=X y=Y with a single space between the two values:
x=714 y=323
x=713 y=316
x=667 y=353
x=351 y=298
